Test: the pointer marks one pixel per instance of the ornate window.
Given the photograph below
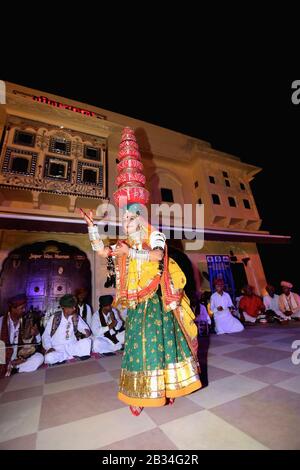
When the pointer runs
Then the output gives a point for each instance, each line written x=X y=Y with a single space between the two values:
x=57 y=168
x=90 y=174
x=24 y=138
x=92 y=153
x=19 y=161
x=60 y=145
x=19 y=165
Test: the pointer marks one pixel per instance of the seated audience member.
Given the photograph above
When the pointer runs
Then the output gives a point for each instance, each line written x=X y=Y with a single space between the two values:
x=21 y=338
x=202 y=318
x=66 y=335
x=271 y=303
x=251 y=306
x=107 y=327
x=221 y=305
x=289 y=302
x=84 y=309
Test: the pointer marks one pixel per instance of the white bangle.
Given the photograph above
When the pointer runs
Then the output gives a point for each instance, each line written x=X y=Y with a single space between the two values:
x=97 y=245
x=93 y=233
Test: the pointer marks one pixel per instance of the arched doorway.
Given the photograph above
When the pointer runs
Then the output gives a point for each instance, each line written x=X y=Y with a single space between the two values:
x=45 y=271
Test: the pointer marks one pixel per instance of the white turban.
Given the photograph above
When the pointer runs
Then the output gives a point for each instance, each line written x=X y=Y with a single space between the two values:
x=286 y=284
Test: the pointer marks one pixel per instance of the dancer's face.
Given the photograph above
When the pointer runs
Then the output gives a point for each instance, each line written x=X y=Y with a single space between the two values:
x=130 y=222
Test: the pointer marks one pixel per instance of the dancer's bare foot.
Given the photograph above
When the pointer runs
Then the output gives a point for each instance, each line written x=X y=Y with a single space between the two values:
x=136 y=410
x=171 y=401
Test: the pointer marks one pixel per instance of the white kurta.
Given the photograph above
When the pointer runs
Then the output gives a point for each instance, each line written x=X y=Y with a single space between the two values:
x=224 y=320
x=272 y=303
x=34 y=361
x=290 y=302
x=101 y=344
x=88 y=313
x=64 y=341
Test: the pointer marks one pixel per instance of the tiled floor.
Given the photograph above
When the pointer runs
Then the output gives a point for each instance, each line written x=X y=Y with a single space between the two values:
x=252 y=402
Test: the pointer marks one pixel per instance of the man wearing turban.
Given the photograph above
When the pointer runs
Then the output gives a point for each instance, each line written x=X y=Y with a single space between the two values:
x=19 y=338
x=271 y=302
x=221 y=305
x=251 y=306
x=289 y=302
x=107 y=327
x=84 y=309
x=66 y=335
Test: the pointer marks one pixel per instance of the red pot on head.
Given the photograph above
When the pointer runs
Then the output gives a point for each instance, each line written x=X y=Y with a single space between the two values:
x=130 y=179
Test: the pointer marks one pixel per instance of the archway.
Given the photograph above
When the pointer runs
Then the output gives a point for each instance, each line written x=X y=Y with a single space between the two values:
x=45 y=271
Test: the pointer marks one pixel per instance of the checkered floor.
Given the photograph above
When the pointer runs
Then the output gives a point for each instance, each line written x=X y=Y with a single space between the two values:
x=252 y=402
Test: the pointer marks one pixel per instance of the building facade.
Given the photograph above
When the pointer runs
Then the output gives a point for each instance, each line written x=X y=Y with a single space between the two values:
x=58 y=155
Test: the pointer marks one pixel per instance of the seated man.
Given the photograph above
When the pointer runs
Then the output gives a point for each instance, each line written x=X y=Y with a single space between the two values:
x=107 y=327
x=21 y=338
x=66 y=335
x=202 y=318
x=221 y=305
x=238 y=295
x=251 y=306
x=84 y=309
x=289 y=302
x=273 y=312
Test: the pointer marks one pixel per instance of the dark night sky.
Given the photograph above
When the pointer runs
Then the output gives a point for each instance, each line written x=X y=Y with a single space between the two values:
x=252 y=118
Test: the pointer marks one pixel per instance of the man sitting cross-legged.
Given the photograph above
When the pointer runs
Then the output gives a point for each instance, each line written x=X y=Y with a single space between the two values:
x=66 y=335
x=20 y=338
x=251 y=307
x=107 y=327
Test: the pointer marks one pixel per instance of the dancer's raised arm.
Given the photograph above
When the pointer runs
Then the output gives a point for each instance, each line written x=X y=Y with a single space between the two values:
x=96 y=242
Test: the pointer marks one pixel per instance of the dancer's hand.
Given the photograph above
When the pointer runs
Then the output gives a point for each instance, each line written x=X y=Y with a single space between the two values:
x=89 y=218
